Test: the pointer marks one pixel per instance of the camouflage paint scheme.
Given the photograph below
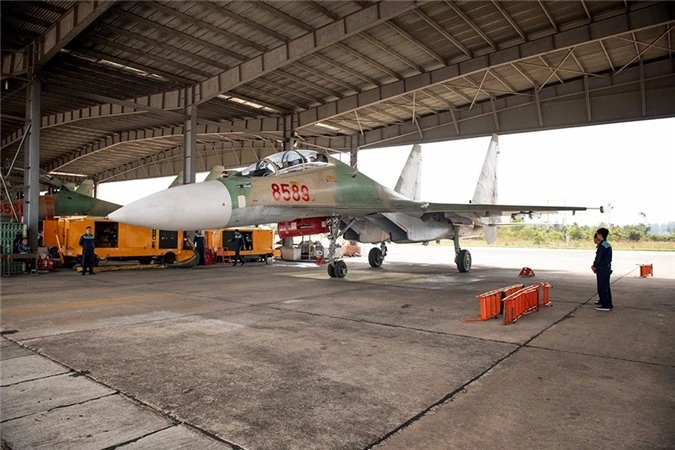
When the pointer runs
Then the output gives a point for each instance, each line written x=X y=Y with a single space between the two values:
x=291 y=185
x=63 y=203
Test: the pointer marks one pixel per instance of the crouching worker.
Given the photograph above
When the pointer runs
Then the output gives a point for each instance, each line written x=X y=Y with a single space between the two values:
x=88 y=256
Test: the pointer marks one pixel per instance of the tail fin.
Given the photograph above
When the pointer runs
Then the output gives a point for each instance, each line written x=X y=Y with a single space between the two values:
x=215 y=173
x=409 y=181
x=86 y=188
x=486 y=189
x=178 y=181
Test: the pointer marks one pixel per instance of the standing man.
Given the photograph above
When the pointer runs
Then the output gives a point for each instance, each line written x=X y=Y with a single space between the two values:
x=199 y=246
x=602 y=267
x=88 y=256
x=239 y=243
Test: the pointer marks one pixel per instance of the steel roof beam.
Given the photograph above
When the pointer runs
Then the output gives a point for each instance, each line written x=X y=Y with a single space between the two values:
x=401 y=32
x=57 y=36
x=297 y=79
x=299 y=48
x=150 y=70
x=566 y=104
x=327 y=77
x=167 y=47
x=645 y=18
x=144 y=54
x=322 y=9
x=217 y=30
x=352 y=72
x=390 y=52
x=367 y=60
x=436 y=26
x=548 y=16
x=509 y=19
x=169 y=32
x=470 y=22
x=221 y=9
x=282 y=15
x=147 y=135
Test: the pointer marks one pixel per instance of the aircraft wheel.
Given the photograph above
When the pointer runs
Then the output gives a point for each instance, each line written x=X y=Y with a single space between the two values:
x=464 y=261
x=340 y=269
x=375 y=257
x=331 y=270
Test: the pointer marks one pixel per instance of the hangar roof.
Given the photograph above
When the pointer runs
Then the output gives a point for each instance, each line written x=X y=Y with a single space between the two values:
x=342 y=74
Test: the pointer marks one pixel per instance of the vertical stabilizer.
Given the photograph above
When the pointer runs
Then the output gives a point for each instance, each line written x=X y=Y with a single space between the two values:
x=178 y=181
x=215 y=173
x=86 y=188
x=409 y=181
x=486 y=189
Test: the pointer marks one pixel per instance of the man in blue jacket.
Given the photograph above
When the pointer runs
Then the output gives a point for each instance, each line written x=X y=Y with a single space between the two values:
x=602 y=267
x=200 y=246
x=88 y=256
x=239 y=243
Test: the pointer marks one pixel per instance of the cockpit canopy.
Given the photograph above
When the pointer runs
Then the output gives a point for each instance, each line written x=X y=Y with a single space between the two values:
x=284 y=162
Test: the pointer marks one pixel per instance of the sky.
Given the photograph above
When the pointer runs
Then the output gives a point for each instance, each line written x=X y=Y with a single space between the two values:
x=628 y=168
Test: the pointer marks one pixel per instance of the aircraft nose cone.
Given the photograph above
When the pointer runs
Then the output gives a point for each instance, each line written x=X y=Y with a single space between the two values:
x=190 y=207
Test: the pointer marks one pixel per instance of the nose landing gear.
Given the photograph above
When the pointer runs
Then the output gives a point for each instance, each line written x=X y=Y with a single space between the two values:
x=336 y=268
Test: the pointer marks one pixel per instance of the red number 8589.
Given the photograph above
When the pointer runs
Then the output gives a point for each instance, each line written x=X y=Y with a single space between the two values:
x=288 y=192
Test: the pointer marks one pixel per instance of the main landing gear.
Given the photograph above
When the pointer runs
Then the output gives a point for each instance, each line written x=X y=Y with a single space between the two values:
x=376 y=255
x=462 y=257
x=336 y=268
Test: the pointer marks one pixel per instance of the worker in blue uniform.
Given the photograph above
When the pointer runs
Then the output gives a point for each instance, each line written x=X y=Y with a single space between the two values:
x=602 y=267
x=88 y=256
x=239 y=243
x=200 y=245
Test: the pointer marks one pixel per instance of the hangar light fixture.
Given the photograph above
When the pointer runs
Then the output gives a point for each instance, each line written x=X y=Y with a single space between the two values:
x=246 y=102
x=68 y=174
x=328 y=127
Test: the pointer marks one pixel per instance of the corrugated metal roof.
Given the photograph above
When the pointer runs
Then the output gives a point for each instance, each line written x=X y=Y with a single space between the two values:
x=135 y=49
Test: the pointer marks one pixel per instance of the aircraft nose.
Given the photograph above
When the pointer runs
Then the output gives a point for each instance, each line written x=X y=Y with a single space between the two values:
x=190 y=207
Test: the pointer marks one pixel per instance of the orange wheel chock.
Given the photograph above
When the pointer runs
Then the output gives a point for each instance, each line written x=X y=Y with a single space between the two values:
x=646 y=270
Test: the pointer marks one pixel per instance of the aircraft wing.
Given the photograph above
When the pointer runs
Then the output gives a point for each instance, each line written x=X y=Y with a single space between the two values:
x=488 y=210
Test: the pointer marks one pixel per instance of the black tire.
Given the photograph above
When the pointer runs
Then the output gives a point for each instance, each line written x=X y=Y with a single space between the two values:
x=340 y=269
x=331 y=270
x=463 y=261
x=375 y=257
x=169 y=258
x=145 y=260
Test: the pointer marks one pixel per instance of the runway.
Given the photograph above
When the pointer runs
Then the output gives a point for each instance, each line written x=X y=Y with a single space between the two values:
x=283 y=357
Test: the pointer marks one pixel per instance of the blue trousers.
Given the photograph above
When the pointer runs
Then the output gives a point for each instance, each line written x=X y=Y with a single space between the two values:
x=604 y=292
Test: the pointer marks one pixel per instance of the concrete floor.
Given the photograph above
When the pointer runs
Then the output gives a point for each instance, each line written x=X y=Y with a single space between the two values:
x=283 y=357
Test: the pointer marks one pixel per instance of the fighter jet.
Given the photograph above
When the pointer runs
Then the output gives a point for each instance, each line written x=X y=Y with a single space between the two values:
x=62 y=202
x=309 y=192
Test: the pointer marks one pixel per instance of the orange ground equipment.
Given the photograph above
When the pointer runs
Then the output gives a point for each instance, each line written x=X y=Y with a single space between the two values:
x=113 y=240
x=646 y=270
x=526 y=272
x=259 y=244
x=491 y=302
x=525 y=301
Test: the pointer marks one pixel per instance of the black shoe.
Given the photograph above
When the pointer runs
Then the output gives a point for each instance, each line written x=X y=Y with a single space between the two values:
x=92 y=273
x=597 y=302
x=84 y=273
x=602 y=308
x=243 y=262
x=234 y=264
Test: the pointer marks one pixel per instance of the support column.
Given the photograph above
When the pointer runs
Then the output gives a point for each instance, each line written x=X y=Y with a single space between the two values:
x=289 y=133
x=31 y=176
x=189 y=139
